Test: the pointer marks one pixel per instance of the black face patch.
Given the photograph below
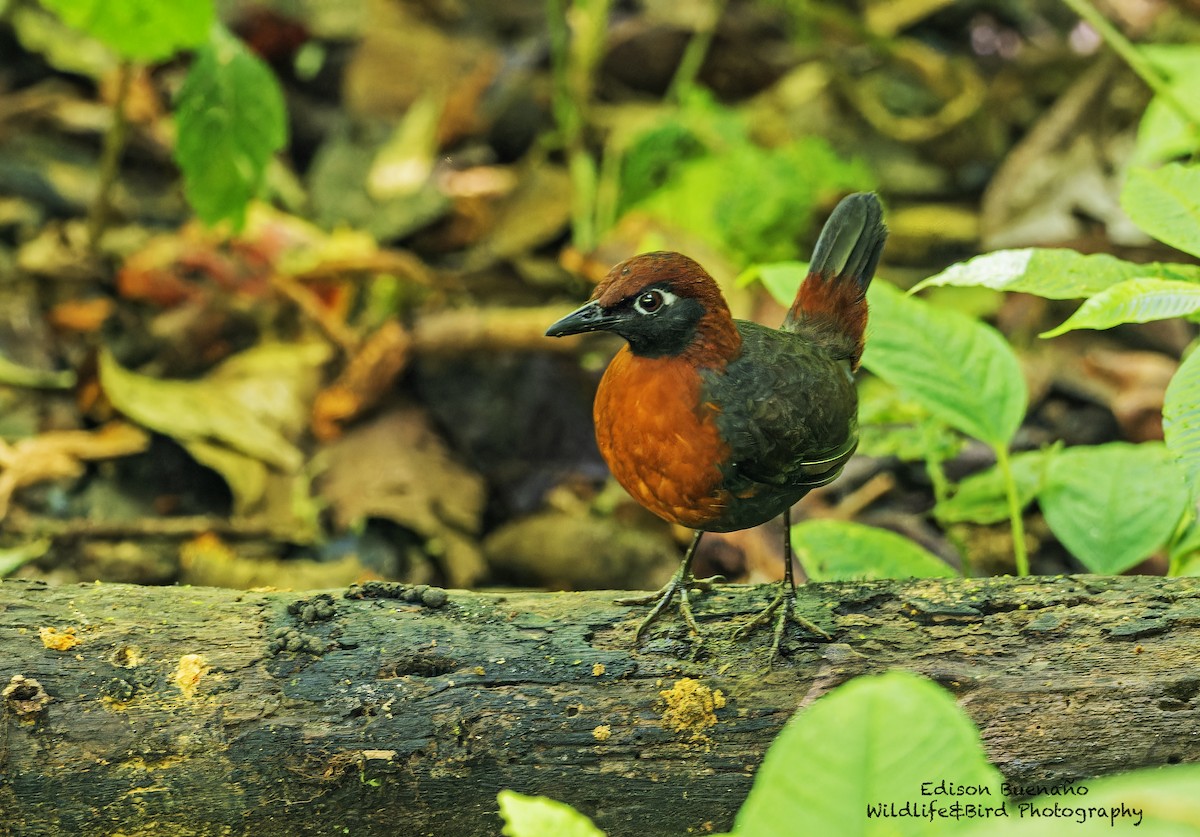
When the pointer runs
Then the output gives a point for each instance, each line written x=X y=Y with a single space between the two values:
x=666 y=330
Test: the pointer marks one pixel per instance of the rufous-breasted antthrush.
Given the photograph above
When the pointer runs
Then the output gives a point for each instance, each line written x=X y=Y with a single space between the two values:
x=721 y=424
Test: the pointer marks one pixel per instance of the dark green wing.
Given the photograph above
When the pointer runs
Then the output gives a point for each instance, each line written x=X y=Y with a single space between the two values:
x=789 y=411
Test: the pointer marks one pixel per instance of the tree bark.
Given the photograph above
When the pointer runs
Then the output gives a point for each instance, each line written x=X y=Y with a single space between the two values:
x=204 y=711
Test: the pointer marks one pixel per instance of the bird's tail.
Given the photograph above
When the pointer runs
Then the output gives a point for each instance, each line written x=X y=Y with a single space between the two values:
x=832 y=301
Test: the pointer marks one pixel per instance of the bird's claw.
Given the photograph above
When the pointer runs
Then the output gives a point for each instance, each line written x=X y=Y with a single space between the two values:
x=786 y=600
x=678 y=584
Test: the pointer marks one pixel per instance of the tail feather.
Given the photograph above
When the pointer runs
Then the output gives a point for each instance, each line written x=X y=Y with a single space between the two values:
x=832 y=301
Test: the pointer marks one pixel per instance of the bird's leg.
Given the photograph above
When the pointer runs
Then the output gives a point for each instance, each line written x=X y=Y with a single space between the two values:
x=680 y=583
x=786 y=599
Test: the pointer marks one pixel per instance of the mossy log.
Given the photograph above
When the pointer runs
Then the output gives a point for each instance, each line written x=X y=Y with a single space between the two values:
x=180 y=711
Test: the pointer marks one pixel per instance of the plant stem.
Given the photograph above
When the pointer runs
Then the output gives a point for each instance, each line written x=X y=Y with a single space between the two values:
x=110 y=159
x=1130 y=54
x=1014 y=510
x=577 y=29
x=693 y=55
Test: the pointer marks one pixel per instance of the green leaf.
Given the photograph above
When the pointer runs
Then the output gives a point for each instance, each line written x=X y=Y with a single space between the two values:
x=539 y=816
x=1113 y=505
x=873 y=741
x=1054 y=274
x=983 y=498
x=231 y=120
x=836 y=550
x=750 y=201
x=959 y=369
x=1157 y=801
x=1165 y=203
x=1185 y=551
x=891 y=423
x=1164 y=134
x=1133 y=301
x=141 y=30
x=781 y=279
x=12 y=558
x=1181 y=421
x=14 y=375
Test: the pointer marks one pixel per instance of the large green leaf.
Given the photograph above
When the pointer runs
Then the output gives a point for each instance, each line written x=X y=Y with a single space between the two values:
x=1165 y=203
x=539 y=816
x=1153 y=802
x=1055 y=274
x=958 y=368
x=231 y=120
x=983 y=497
x=1164 y=134
x=1113 y=505
x=875 y=741
x=1133 y=301
x=836 y=550
x=1181 y=421
x=142 y=30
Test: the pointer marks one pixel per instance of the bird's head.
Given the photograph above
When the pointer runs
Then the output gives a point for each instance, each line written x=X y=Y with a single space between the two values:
x=663 y=304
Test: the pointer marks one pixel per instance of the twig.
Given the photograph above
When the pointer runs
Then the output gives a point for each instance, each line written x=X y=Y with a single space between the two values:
x=1132 y=56
x=110 y=159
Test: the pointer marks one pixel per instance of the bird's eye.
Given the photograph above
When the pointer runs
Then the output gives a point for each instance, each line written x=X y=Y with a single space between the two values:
x=649 y=302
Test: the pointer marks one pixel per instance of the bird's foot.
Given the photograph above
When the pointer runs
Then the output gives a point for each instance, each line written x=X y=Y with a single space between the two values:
x=786 y=603
x=680 y=583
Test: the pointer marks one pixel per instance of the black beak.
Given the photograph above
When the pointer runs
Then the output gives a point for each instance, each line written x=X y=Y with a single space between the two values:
x=589 y=317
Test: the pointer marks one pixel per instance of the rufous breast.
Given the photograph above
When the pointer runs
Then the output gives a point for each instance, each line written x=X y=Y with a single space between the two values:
x=660 y=438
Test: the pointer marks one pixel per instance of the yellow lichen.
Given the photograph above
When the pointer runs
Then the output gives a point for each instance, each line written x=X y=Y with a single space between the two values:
x=602 y=732
x=58 y=640
x=691 y=707
x=128 y=656
x=187 y=674
x=597 y=669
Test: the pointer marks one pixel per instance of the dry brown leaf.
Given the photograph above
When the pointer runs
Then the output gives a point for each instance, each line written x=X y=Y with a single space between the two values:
x=61 y=454
x=397 y=468
x=367 y=378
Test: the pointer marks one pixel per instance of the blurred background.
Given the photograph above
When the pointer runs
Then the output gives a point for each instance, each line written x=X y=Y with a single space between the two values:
x=274 y=275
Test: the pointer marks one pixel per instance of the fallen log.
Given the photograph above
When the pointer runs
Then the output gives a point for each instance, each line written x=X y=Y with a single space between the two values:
x=402 y=710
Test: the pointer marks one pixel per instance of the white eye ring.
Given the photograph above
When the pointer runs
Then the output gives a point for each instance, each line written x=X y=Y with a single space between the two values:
x=653 y=300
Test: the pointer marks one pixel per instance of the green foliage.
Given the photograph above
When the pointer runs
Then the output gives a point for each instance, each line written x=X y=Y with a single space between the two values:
x=538 y=816
x=1181 y=421
x=983 y=497
x=872 y=740
x=576 y=31
x=1165 y=796
x=654 y=158
x=1164 y=134
x=140 y=30
x=1054 y=274
x=1185 y=551
x=835 y=550
x=1110 y=505
x=891 y=423
x=231 y=120
x=958 y=368
x=750 y=201
x=1165 y=203
x=1133 y=301
x=1113 y=505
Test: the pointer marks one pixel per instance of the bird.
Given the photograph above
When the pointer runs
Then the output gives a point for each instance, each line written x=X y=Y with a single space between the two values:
x=719 y=424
